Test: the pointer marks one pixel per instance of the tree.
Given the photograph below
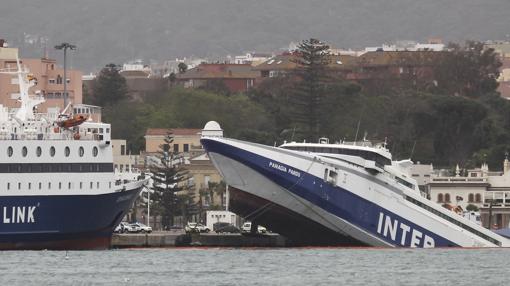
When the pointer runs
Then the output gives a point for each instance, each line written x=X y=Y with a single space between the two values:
x=109 y=87
x=182 y=67
x=470 y=70
x=168 y=182
x=218 y=189
x=311 y=72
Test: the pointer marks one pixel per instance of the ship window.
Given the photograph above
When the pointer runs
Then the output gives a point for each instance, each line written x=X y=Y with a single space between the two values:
x=24 y=151
x=38 y=151
x=470 y=198
x=446 y=198
x=94 y=151
x=29 y=186
x=97 y=185
x=81 y=185
x=8 y=186
x=49 y=185
x=91 y=185
x=19 y=186
x=110 y=185
x=81 y=151
x=52 y=151
x=9 y=151
x=40 y=185
x=439 y=198
x=67 y=151
x=60 y=185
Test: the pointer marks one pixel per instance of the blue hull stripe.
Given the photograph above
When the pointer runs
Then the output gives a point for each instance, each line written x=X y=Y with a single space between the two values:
x=358 y=211
x=36 y=219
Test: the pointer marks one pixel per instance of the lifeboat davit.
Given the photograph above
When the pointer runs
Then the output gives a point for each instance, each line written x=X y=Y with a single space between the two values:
x=73 y=121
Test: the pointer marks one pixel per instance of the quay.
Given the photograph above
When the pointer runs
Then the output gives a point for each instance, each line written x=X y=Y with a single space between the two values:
x=182 y=239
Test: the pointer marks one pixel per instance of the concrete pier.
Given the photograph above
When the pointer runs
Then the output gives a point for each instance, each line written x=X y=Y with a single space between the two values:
x=176 y=239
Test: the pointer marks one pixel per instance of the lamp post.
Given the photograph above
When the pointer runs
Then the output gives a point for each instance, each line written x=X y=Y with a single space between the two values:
x=65 y=46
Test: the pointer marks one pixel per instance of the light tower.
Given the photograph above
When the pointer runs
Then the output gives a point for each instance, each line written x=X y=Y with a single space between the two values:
x=65 y=46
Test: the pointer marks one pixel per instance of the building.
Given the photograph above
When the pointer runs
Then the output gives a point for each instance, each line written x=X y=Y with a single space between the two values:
x=253 y=59
x=184 y=139
x=122 y=159
x=503 y=50
x=50 y=81
x=489 y=191
x=203 y=172
x=234 y=77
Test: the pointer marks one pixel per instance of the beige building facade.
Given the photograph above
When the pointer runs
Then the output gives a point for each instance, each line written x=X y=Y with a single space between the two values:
x=50 y=81
x=185 y=139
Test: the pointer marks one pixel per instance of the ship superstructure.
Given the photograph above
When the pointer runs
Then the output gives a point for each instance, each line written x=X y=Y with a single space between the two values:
x=336 y=194
x=58 y=189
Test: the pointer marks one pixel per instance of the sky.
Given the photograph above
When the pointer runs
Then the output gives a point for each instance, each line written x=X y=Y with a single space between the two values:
x=116 y=31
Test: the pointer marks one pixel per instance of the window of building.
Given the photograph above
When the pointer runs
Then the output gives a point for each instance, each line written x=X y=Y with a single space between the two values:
x=38 y=151
x=59 y=79
x=176 y=148
x=447 y=198
x=122 y=149
x=470 y=198
x=186 y=147
x=478 y=198
x=440 y=198
x=51 y=81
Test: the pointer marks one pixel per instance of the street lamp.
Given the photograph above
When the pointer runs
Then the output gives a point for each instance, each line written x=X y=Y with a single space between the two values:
x=65 y=46
x=148 y=205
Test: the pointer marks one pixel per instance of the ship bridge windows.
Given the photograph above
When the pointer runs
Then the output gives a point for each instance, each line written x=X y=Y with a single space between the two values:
x=379 y=160
x=94 y=151
x=404 y=182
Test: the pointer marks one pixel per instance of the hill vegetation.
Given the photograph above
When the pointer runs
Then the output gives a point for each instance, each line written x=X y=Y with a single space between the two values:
x=464 y=121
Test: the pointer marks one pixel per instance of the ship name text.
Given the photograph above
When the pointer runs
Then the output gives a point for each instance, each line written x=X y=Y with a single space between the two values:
x=23 y=214
x=284 y=169
x=402 y=233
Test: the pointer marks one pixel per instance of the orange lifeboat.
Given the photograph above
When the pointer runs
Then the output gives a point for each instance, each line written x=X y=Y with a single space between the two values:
x=73 y=121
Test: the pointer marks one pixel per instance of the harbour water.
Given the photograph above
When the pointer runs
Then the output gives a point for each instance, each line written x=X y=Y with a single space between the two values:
x=257 y=266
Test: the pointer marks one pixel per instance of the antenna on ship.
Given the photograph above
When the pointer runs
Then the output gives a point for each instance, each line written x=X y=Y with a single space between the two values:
x=412 y=150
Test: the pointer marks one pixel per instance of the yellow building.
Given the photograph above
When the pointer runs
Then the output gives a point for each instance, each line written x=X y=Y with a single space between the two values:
x=185 y=139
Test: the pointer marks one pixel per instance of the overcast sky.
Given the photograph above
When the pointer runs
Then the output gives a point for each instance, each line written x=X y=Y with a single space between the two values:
x=120 y=30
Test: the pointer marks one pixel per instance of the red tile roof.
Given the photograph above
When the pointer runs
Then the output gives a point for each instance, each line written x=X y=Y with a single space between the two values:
x=174 y=131
x=223 y=71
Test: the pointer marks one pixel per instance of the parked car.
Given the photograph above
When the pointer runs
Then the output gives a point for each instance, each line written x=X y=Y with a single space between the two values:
x=247 y=228
x=195 y=227
x=225 y=227
x=140 y=227
x=123 y=227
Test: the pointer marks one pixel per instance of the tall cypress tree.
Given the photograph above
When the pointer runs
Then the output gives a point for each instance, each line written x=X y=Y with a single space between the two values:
x=308 y=95
x=168 y=178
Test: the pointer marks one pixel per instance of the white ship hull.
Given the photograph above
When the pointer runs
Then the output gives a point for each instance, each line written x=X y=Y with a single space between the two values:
x=362 y=207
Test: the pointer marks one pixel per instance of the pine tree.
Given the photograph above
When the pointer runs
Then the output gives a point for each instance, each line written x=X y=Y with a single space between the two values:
x=109 y=87
x=168 y=178
x=311 y=72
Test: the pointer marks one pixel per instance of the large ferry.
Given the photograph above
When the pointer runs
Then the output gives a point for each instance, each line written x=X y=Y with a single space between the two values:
x=58 y=188
x=350 y=194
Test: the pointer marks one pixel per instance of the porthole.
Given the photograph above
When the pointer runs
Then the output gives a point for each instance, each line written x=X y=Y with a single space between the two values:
x=52 y=151
x=94 y=151
x=38 y=151
x=9 y=151
x=67 y=151
x=24 y=151
x=81 y=151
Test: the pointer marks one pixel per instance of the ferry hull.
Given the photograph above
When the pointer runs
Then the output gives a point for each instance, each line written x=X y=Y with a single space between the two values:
x=273 y=193
x=77 y=222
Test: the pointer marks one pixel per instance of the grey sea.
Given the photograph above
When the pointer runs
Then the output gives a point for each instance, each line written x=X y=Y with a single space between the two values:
x=257 y=266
